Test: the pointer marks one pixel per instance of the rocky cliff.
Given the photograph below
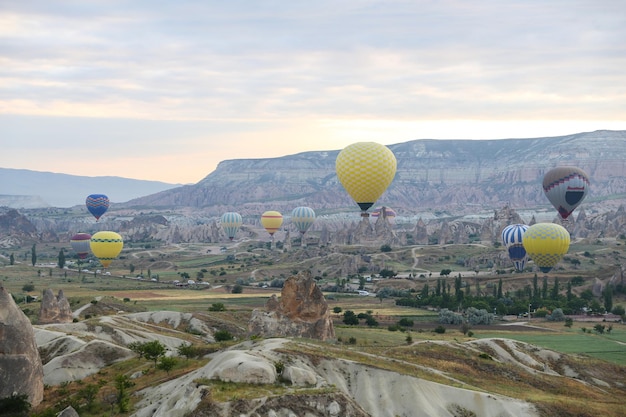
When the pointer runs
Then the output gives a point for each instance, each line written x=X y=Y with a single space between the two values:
x=461 y=175
x=21 y=370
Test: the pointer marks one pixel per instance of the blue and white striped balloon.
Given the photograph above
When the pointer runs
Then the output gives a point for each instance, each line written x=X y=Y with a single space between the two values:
x=512 y=240
x=230 y=223
x=303 y=218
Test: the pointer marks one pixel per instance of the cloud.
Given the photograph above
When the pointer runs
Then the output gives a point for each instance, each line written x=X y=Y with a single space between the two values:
x=143 y=75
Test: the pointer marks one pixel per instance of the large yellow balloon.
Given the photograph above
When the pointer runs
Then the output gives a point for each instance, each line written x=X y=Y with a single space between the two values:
x=545 y=244
x=365 y=169
x=106 y=246
x=271 y=221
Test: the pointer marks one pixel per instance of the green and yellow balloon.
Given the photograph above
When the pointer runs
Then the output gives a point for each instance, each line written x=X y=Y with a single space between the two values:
x=106 y=246
x=545 y=244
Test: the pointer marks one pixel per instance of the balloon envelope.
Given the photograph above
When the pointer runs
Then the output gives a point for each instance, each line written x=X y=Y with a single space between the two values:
x=512 y=241
x=271 y=221
x=390 y=213
x=80 y=243
x=365 y=169
x=97 y=204
x=565 y=187
x=106 y=246
x=546 y=243
x=231 y=222
x=303 y=218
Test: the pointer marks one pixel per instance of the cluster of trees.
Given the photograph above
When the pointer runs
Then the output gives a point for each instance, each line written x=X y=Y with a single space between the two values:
x=548 y=296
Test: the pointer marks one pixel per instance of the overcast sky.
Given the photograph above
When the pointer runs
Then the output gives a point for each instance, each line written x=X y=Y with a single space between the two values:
x=165 y=90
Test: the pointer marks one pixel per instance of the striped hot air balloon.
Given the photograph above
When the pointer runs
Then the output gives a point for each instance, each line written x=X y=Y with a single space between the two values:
x=80 y=243
x=512 y=241
x=565 y=187
x=271 y=221
x=302 y=218
x=97 y=204
x=231 y=222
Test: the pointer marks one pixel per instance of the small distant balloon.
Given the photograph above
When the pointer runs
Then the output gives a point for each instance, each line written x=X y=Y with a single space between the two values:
x=271 y=221
x=97 y=204
x=365 y=169
x=512 y=241
x=231 y=222
x=565 y=187
x=303 y=218
x=106 y=246
x=80 y=243
x=390 y=214
x=545 y=244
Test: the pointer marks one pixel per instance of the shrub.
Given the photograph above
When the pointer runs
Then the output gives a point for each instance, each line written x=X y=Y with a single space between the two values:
x=217 y=307
x=440 y=329
x=405 y=322
x=222 y=336
x=557 y=315
x=449 y=317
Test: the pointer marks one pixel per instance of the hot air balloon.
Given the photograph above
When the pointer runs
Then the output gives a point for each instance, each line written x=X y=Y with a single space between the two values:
x=271 y=221
x=106 y=246
x=545 y=244
x=365 y=169
x=80 y=243
x=231 y=222
x=302 y=218
x=565 y=187
x=390 y=213
x=97 y=204
x=512 y=241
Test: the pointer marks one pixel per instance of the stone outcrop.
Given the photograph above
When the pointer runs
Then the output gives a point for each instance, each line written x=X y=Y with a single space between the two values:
x=21 y=371
x=54 y=309
x=301 y=311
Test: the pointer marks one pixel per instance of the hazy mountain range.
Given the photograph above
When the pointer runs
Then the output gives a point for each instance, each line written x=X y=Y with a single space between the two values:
x=22 y=188
x=453 y=175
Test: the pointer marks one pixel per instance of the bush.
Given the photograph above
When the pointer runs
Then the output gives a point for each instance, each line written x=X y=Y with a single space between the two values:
x=557 y=315
x=440 y=329
x=404 y=322
x=449 y=317
x=222 y=336
x=217 y=307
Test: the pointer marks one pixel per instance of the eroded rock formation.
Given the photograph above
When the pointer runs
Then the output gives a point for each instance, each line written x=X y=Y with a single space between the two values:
x=21 y=371
x=301 y=311
x=54 y=309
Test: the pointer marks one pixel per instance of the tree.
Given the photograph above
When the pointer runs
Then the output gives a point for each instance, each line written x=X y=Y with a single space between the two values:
x=237 y=289
x=12 y=259
x=150 y=350
x=337 y=310
x=89 y=393
x=61 y=259
x=385 y=248
x=33 y=254
x=28 y=287
x=187 y=350
x=122 y=383
x=607 y=294
x=167 y=363
x=445 y=272
x=350 y=318
x=544 y=288
x=131 y=268
x=153 y=350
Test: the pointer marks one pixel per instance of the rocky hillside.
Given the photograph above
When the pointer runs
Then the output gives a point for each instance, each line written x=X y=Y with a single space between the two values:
x=457 y=175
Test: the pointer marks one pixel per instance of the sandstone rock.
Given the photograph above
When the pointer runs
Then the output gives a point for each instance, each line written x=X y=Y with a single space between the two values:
x=54 y=309
x=238 y=366
x=21 y=370
x=302 y=311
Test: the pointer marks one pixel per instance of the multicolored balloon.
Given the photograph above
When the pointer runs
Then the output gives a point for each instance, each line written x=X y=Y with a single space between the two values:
x=97 y=204
x=365 y=169
x=545 y=244
x=302 y=218
x=106 y=246
x=231 y=222
x=512 y=241
x=390 y=213
x=80 y=243
x=565 y=187
x=271 y=221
